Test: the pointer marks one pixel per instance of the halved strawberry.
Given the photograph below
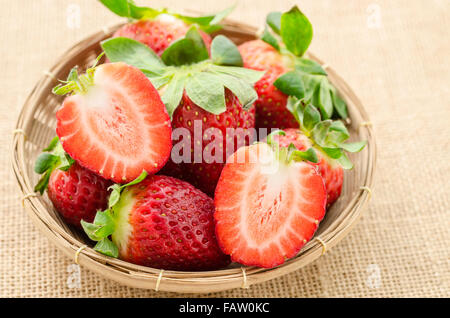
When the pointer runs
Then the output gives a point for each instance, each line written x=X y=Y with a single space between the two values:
x=267 y=205
x=115 y=124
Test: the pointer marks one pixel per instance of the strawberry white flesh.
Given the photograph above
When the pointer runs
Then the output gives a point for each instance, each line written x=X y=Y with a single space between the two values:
x=119 y=127
x=266 y=210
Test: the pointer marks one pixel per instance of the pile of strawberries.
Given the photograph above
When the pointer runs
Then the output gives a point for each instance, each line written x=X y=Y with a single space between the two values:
x=185 y=152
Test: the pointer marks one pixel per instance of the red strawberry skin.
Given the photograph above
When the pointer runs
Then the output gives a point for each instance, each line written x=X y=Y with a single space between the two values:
x=262 y=217
x=119 y=128
x=78 y=193
x=159 y=33
x=172 y=227
x=331 y=172
x=205 y=174
x=271 y=111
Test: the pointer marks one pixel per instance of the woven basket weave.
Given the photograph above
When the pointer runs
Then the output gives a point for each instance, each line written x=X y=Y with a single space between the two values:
x=36 y=126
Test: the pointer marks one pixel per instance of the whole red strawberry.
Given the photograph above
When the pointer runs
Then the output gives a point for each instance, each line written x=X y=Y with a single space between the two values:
x=235 y=126
x=161 y=222
x=78 y=193
x=159 y=33
x=288 y=73
x=158 y=28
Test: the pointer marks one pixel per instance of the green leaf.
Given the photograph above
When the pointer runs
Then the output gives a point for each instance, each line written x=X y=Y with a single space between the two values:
x=334 y=153
x=64 y=89
x=339 y=105
x=294 y=105
x=133 y=53
x=105 y=221
x=206 y=90
x=296 y=31
x=188 y=50
x=311 y=82
x=90 y=229
x=269 y=138
x=291 y=83
x=115 y=194
x=248 y=75
x=73 y=75
x=208 y=23
x=116 y=189
x=173 y=93
x=339 y=126
x=119 y=7
x=335 y=138
x=354 y=146
x=158 y=81
x=311 y=116
x=243 y=90
x=103 y=226
x=139 y=179
x=225 y=52
x=325 y=102
x=270 y=39
x=345 y=162
x=308 y=155
x=65 y=162
x=47 y=161
x=309 y=66
x=52 y=144
x=273 y=19
x=44 y=162
x=127 y=9
x=137 y=12
x=320 y=132
x=222 y=15
x=42 y=183
x=106 y=247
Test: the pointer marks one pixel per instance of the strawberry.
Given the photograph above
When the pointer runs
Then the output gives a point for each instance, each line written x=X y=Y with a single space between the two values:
x=271 y=111
x=288 y=72
x=159 y=33
x=205 y=174
x=161 y=222
x=158 y=28
x=209 y=97
x=269 y=203
x=327 y=139
x=114 y=123
x=76 y=193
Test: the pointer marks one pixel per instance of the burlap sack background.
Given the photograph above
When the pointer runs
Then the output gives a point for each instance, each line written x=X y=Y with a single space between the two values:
x=395 y=56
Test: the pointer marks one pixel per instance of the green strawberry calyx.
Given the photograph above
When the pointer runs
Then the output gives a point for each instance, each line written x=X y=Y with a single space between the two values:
x=186 y=66
x=127 y=8
x=329 y=136
x=53 y=157
x=75 y=83
x=290 y=153
x=291 y=33
x=105 y=222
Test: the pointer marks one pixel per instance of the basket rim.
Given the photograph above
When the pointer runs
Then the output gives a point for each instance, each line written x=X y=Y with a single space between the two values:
x=177 y=281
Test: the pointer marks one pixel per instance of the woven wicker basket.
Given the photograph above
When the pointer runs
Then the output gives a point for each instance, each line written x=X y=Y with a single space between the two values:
x=36 y=126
